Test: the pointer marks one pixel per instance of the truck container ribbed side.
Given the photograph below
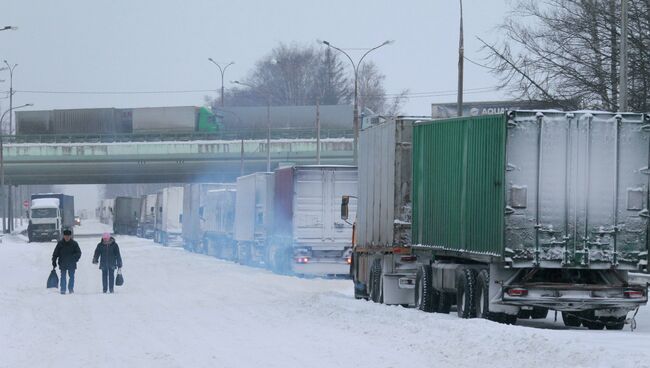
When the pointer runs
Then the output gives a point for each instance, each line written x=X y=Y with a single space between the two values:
x=458 y=174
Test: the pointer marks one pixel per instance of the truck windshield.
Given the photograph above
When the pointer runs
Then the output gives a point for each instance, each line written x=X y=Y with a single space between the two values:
x=44 y=213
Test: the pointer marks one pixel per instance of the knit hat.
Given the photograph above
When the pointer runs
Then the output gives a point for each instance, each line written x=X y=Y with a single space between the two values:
x=106 y=236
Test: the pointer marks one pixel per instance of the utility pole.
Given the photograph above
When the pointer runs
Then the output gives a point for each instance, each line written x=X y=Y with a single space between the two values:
x=623 y=73
x=461 y=57
x=318 y=131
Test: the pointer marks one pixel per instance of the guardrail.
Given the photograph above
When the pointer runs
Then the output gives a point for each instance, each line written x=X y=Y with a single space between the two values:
x=284 y=133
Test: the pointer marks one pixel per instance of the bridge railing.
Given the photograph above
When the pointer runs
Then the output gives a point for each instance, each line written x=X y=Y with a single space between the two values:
x=278 y=133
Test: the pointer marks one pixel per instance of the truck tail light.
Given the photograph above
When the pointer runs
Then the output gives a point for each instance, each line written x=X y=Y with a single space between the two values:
x=633 y=294
x=408 y=258
x=348 y=260
x=302 y=260
x=517 y=292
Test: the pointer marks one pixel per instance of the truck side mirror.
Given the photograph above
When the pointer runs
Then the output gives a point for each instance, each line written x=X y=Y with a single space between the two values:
x=201 y=211
x=345 y=201
x=152 y=210
x=180 y=218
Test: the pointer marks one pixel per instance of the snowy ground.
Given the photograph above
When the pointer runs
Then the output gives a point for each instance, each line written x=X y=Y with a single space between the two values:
x=179 y=309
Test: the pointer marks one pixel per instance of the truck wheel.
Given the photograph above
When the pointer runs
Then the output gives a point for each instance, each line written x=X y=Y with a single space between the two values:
x=482 y=304
x=465 y=293
x=375 y=282
x=524 y=314
x=424 y=293
x=591 y=321
x=570 y=319
x=539 y=313
x=614 y=323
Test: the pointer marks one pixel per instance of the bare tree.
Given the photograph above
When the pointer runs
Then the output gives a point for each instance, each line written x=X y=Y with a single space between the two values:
x=568 y=50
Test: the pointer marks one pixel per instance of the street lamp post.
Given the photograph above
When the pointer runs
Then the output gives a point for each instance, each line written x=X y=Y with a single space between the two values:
x=223 y=71
x=355 y=67
x=11 y=92
x=2 y=165
x=268 y=123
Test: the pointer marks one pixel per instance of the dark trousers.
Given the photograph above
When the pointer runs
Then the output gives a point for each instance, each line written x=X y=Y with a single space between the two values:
x=108 y=279
x=70 y=273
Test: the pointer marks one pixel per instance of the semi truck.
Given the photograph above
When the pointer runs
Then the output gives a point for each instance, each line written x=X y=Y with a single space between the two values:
x=169 y=213
x=308 y=237
x=126 y=213
x=517 y=214
x=146 y=222
x=106 y=211
x=218 y=227
x=253 y=217
x=383 y=268
x=97 y=121
x=49 y=215
x=195 y=201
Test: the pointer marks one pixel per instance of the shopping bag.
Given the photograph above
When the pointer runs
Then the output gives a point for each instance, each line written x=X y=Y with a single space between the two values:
x=119 y=279
x=53 y=280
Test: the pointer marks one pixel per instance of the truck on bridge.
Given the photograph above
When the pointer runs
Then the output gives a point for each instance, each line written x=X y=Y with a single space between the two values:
x=49 y=215
x=512 y=215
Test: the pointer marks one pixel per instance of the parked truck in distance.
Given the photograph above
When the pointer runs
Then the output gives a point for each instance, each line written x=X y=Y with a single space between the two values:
x=308 y=236
x=126 y=213
x=514 y=215
x=49 y=215
x=106 y=211
x=147 y=220
x=195 y=202
x=253 y=217
x=218 y=225
x=169 y=212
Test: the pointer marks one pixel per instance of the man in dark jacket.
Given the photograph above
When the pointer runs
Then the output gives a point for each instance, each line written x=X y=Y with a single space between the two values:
x=67 y=251
x=107 y=254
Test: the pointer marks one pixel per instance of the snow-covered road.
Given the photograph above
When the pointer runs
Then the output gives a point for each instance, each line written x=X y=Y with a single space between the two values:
x=179 y=309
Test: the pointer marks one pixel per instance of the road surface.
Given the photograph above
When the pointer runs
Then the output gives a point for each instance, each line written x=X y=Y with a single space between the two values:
x=179 y=309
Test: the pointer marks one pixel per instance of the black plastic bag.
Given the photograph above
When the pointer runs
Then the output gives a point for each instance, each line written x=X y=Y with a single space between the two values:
x=53 y=280
x=119 y=279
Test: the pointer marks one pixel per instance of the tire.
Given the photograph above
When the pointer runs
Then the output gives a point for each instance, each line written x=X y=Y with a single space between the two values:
x=424 y=293
x=570 y=319
x=482 y=300
x=465 y=293
x=375 y=282
x=539 y=313
x=614 y=323
x=525 y=313
x=591 y=321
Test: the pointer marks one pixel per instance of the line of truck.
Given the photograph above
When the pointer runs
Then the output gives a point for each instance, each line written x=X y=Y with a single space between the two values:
x=287 y=220
x=505 y=216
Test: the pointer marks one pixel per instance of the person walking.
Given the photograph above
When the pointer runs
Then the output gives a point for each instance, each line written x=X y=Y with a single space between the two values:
x=67 y=252
x=107 y=254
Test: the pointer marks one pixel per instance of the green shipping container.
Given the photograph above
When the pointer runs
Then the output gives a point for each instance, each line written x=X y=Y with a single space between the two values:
x=534 y=189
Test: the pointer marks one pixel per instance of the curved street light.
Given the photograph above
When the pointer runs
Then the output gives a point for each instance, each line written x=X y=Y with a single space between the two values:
x=223 y=71
x=268 y=121
x=355 y=67
x=2 y=166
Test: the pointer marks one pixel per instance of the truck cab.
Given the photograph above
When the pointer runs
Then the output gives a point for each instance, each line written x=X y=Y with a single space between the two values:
x=45 y=219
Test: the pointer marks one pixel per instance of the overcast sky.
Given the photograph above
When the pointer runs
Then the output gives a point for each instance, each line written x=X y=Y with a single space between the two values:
x=163 y=45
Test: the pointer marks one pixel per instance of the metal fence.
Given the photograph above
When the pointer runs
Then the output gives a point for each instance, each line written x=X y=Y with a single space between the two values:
x=285 y=133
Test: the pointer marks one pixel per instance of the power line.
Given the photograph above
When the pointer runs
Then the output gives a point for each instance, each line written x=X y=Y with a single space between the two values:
x=114 y=92
x=408 y=94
